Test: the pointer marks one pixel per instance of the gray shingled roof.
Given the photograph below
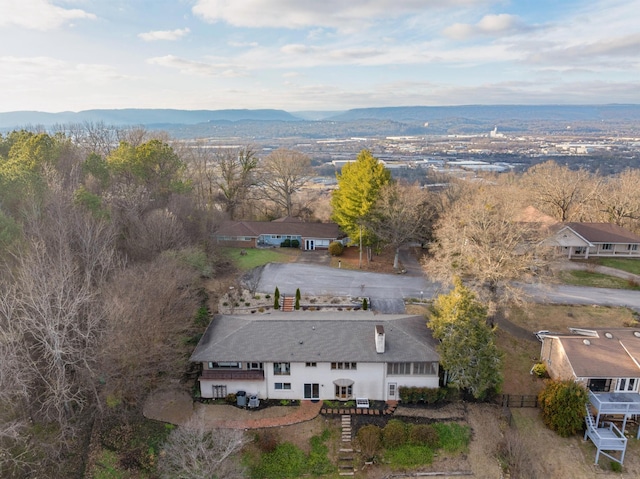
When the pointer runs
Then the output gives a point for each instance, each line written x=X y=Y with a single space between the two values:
x=315 y=337
x=603 y=233
x=285 y=227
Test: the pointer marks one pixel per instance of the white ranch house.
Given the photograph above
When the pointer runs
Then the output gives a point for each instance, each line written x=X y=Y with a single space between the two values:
x=586 y=240
x=316 y=355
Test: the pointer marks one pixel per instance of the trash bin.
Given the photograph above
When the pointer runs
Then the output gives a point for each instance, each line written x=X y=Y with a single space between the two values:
x=254 y=401
x=241 y=398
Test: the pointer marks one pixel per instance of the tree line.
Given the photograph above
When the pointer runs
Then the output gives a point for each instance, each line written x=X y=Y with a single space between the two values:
x=105 y=242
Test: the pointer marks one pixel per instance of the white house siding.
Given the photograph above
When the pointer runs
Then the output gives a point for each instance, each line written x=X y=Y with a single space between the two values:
x=250 y=387
x=369 y=381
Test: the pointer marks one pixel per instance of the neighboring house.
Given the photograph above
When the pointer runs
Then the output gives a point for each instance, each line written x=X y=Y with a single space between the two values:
x=607 y=362
x=585 y=240
x=316 y=355
x=253 y=234
x=602 y=359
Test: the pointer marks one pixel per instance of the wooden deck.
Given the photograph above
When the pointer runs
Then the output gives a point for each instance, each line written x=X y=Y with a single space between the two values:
x=625 y=405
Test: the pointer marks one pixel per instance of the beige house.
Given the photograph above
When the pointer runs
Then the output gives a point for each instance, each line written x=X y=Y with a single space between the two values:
x=607 y=362
x=585 y=240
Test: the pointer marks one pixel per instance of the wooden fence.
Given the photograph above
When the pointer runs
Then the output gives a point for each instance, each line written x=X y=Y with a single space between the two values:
x=517 y=400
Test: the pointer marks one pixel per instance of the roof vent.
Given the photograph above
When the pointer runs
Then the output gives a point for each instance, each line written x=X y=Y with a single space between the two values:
x=379 y=338
x=608 y=335
x=586 y=342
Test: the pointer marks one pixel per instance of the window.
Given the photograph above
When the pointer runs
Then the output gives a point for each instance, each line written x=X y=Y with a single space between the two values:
x=281 y=369
x=344 y=392
x=311 y=365
x=283 y=385
x=312 y=391
x=344 y=365
x=225 y=365
x=394 y=369
x=424 y=369
x=254 y=366
x=607 y=246
x=627 y=385
x=632 y=247
x=219 y=391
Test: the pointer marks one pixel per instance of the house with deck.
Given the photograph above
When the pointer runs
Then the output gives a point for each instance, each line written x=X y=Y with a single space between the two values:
x=286 y=231
x=586 y=240
x=316 y=355
x=607 y=362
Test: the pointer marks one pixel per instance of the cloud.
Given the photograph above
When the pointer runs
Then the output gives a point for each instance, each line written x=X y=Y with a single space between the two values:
x=195 y=68
x=164 y=34
x=489 y=25
x=295 y=14
x=38 y=14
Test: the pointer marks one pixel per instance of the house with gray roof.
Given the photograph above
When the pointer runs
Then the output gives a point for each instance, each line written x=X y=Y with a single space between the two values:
x=280 y=232
x=316 y=355
x=585 y=240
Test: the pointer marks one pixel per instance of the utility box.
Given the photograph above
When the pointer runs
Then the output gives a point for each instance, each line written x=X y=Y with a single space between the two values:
x=254 y=401
x=241 y=398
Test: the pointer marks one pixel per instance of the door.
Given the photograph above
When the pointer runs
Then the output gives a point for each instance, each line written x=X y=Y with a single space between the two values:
x=312 y=391
x=309 y=244
x=393 y=392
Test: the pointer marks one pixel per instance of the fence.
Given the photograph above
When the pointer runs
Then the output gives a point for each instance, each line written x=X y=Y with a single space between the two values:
x=517 y=400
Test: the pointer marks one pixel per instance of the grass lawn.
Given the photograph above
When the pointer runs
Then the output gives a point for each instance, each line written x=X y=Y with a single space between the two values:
x=597 y=280
x=257 y=257
x=628 y=265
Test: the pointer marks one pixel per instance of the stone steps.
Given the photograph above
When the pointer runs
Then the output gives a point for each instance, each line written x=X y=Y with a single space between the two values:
x=345 y=454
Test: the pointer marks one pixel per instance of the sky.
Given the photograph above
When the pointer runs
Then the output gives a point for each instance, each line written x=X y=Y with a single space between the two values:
x=329 y=55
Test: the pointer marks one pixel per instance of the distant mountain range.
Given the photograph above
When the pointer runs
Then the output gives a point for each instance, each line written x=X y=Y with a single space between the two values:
x=389 y=120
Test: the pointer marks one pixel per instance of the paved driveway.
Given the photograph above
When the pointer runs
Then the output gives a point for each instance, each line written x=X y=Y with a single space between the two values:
x=385 y=290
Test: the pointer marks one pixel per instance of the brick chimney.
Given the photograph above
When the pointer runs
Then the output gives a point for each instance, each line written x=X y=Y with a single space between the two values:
x=379 y=338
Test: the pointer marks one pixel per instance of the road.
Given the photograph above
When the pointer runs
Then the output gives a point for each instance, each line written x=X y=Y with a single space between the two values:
x=387 y=291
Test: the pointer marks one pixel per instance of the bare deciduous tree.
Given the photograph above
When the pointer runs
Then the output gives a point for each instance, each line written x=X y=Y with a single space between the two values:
x=402 y=214
x=149 y=308
x=619 y=199
x=282 y=174
x=195 y=451
x=560 y=192
x=481 y=239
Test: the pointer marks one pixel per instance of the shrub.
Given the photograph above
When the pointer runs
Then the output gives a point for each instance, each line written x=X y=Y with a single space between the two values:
x=365 y=304
x=336 y=248
x=297 y=305
x=370 y=439
x=563 y=406
x=276 y=299
x=202 y=316
x=267 y=440
x=394 y=434
x=231 y=399
x=540 y=370
x=286 y=243
x=295 y=243
x=424 y=435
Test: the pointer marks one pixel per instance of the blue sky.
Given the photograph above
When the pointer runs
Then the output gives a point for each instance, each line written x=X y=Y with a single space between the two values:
x=296 y=55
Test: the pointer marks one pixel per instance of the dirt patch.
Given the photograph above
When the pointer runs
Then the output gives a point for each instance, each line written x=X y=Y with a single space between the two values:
x=350 y=259
x=171 y=405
